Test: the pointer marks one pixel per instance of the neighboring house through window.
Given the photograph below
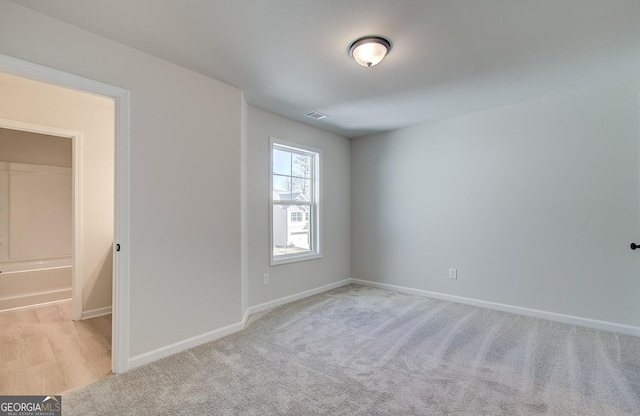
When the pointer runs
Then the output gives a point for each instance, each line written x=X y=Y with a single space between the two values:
x=295 y=195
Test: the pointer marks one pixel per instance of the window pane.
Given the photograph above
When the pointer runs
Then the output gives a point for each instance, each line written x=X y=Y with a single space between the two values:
x=294 y=203
x=306 y=190
x=297 y=185
x=307 y=225
x=281 y=183
x=279 y=230
x=281 y=162
x=301 y=165
x=291 y=234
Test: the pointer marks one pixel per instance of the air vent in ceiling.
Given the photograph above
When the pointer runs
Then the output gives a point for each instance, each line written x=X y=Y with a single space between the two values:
x=316 y=115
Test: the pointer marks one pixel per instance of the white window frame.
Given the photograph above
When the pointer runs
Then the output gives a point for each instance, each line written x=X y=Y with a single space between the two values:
x=316 y=205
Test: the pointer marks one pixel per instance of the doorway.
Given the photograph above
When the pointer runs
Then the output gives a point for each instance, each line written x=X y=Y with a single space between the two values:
x=57 y=237
x=120 y=243
x=36 y=217
x=41 y=229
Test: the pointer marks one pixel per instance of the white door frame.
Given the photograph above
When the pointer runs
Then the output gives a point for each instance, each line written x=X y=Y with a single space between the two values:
x=120 y=326
x=76 y=140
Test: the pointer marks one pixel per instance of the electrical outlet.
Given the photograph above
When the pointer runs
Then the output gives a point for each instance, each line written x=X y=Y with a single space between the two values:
x=453 y=273
x=265 y=278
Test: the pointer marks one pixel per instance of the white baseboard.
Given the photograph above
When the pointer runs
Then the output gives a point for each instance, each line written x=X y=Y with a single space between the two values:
x=287 y=299
x=148 y=357
x=552 y=316
x=34 y=299
x=94 y=313
x=151 y=356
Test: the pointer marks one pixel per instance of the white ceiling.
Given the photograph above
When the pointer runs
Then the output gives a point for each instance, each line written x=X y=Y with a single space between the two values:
x=449 y=57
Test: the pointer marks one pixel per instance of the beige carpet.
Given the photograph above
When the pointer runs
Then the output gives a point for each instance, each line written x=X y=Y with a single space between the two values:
x=363 y=351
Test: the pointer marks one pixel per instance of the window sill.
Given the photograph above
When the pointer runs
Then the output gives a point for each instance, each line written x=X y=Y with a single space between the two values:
x=295 y=258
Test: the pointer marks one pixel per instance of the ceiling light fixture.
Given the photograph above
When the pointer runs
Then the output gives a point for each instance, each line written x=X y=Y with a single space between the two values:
x=369 y=50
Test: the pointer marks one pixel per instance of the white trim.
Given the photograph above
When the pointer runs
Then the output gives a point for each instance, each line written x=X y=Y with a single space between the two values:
x=35 y=128
x=94 y=313
x=316 y=203
x=28 y=167
x=151 y=356
x=121 y=235
x=76 y=173
x=37 y=305
x=295 y=258
x=78 y=265
x=121 y=97
x=536 y=313
x=292 y=298
x=34 y=299
x=292 y=202
x=5 y=273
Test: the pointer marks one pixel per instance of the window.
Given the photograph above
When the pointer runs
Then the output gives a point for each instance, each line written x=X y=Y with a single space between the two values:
x=295 y=208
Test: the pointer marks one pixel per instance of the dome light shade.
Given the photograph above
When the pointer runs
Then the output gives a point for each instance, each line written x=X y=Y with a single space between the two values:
x=369 y=50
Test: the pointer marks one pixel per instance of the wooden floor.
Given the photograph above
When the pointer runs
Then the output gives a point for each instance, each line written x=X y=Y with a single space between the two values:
x=43 y=351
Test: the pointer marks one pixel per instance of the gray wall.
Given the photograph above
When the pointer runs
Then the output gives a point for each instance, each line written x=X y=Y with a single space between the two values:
x=535 y=204
x=289 y=279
